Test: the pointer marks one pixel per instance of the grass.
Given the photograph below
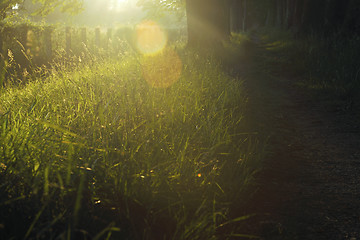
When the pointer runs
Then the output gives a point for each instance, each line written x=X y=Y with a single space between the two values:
x=96 y=151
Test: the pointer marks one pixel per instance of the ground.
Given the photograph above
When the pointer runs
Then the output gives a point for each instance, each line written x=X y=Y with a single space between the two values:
x=309 y=186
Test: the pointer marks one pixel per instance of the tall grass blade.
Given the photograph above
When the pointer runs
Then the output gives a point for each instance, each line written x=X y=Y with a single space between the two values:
x=108 y=230
x=34 y=222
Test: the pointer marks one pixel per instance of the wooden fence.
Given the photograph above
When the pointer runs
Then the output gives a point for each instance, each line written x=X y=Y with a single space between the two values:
x=44 y=41
x=49 y=39
x=24 y=47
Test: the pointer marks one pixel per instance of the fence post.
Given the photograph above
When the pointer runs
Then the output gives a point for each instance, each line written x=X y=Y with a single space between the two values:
x=108 y=37
x=2 y=60
x=29 y=45
x=1 y=42
x=47 y=42
x=24 y=36
x=68 y=39
x=97 y=37
x=83 y=40
x=83 y=35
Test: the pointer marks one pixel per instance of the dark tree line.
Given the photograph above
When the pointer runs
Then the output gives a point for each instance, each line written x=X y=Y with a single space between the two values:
x=300 y=16
x=211 y=21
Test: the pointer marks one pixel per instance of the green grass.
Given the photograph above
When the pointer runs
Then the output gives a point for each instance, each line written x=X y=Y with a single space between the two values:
x=95 y=151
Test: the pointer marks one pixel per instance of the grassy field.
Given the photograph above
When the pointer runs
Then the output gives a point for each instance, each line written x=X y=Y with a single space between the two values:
x=104 y=151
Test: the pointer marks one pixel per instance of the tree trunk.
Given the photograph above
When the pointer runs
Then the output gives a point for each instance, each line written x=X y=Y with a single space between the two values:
x=292 y=13
x=288 y=5
x=304 y=9
x=271 y=13
x=208 y=23
x=267 y=20
x=336 y=14
x=352 y=18
x=297 y=17
x=244 y=15
x=279 y=13
x=235 y=16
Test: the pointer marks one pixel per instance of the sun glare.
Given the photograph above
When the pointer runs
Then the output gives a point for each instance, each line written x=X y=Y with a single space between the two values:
x=150 y=38
x=15 y=7
x=162 y=70
x=161 y=65
x=117 y=5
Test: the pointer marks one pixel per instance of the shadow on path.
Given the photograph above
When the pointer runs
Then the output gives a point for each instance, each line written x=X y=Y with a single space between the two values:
x=309 y=186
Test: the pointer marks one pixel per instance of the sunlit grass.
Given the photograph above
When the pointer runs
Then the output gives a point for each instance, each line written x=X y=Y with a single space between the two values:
x=97 y=150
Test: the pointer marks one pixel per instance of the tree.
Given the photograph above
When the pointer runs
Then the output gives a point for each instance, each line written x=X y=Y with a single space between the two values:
x=6 y=6
x=208 y=21
x=69 y=6
x=313 y=17
x=44 y=7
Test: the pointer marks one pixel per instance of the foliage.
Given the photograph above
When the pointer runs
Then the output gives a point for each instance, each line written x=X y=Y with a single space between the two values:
x=158 y=8
x=169 y=5
x=44 y=7
x=69 y=6
x=6 y=6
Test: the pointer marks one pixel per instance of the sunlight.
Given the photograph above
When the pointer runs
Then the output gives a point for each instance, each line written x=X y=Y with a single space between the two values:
x=117 y=5
x=150 y=38
x=162 y=70
x=15 y=7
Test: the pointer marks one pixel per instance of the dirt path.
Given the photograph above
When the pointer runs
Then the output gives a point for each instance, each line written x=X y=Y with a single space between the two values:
x=309 y=187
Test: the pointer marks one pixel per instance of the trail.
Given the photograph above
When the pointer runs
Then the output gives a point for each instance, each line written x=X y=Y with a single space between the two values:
x=309 y=186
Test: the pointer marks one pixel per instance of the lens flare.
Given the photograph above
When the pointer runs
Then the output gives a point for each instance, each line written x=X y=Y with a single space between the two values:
x=150 y=38
x=162 y=70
